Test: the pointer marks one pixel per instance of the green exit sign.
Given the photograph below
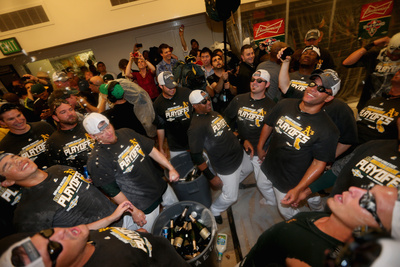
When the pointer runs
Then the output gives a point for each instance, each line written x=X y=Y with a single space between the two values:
x=10 y=46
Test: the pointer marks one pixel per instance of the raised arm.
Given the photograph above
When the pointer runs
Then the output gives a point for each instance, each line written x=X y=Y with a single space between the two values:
x=356 y=55
x=284 y=79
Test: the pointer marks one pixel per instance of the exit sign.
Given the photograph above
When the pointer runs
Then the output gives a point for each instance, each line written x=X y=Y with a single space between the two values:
x=10 y=46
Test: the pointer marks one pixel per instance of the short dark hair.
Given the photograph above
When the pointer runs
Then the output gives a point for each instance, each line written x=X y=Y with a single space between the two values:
x=206 y=50
x=246 y=46
x=7 y=107
x=56 y=103
x=100 y=62
x=194 y=40
x=163 y=46
x=123 y=63
x=215 y=54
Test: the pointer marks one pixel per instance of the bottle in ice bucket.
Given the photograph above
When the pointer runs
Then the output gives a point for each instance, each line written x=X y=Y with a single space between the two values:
x=201 y=229
x=180 y=237
x=193 y=175
x=171 y=232
x=181 y=219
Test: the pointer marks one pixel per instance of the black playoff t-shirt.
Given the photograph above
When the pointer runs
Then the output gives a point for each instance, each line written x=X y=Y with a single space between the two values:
x=120 y=247
x=211 y=132
x=127 y=162
x=297 y=139
x=376 y=161
x=31 y=144
x=70 y=147
x=377 y=120
x=63 y=199
x=297 y=86
x=174 y=115
x=297 y=238
x=249 y=115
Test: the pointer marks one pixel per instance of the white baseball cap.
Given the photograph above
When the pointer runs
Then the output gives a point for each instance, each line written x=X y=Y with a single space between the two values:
x=262 y=74
x=196 y=96
x=92 y=121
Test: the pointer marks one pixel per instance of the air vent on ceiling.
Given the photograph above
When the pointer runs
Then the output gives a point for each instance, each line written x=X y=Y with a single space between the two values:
x=22 y=18
x=121 y=2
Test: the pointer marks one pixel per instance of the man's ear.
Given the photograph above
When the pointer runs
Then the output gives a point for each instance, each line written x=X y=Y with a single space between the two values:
x=3 y=124
x=7 y=183
x=267 y=85
x=55 y=118
x=329 y=98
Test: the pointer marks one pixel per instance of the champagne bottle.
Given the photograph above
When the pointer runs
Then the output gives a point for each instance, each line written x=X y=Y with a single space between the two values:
x=201 y=229
x=192 y=237
x=171 y=232
x=181 y=219
x=180 y=237
x=186 y=251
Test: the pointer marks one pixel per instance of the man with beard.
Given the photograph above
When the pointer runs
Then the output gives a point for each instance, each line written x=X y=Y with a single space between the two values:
x=70 y=144
x=294 y=84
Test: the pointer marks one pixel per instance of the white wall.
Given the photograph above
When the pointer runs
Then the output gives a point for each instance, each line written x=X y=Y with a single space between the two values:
x=112 y=47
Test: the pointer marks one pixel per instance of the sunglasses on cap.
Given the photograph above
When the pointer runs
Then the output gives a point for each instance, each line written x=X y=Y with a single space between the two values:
x=259 y=80
x=368 y=202
x=320 y=88
x=204 y=101
x=53 y=248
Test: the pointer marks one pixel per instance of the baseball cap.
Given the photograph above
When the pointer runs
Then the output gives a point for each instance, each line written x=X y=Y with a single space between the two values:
x=329 y=78
x=196 y=96
x=92 y=121
x=60 y=76
x=37 y=89
x=83 y=86
x=313 y=48
x=117 y=92
x=108 y=77
x=167 y=78
x=313 y=34
x=394 y=43
x=262 y=74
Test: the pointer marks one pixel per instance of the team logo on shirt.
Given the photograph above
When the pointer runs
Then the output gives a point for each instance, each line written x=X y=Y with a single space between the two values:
x=72 y=149
x=179 y=111
x=66 y=193
x=299 y=85
x=130 y=237
x=218 y=124
x=378 y=116
x=130 y=154
x=252 y=114
x=11 y=196
x=33 y=150
x=293 y=130
x=378 y=170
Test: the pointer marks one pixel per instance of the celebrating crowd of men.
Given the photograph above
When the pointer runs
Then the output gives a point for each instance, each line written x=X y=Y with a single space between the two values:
x=278 y=119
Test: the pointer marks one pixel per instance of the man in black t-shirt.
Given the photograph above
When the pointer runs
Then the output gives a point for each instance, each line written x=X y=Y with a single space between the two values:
x=24 y=139
x=70 y=144
x=121 y=165
x=57 y=197
x=173 y=114
x=307 y=236
x=222 y=85
x=377 y=120
x=209 y=131
x=249 y=111
x=78 y=246
x=304 y=139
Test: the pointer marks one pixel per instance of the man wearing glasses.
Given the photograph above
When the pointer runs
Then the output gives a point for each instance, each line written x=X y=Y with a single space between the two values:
x=249 y=111
x=308 y=235
x=304 y=139
x=79 y=246
x=209 y=131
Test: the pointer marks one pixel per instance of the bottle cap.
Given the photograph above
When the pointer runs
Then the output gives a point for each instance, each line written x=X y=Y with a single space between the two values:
x=219 y=256
x=194 y=214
